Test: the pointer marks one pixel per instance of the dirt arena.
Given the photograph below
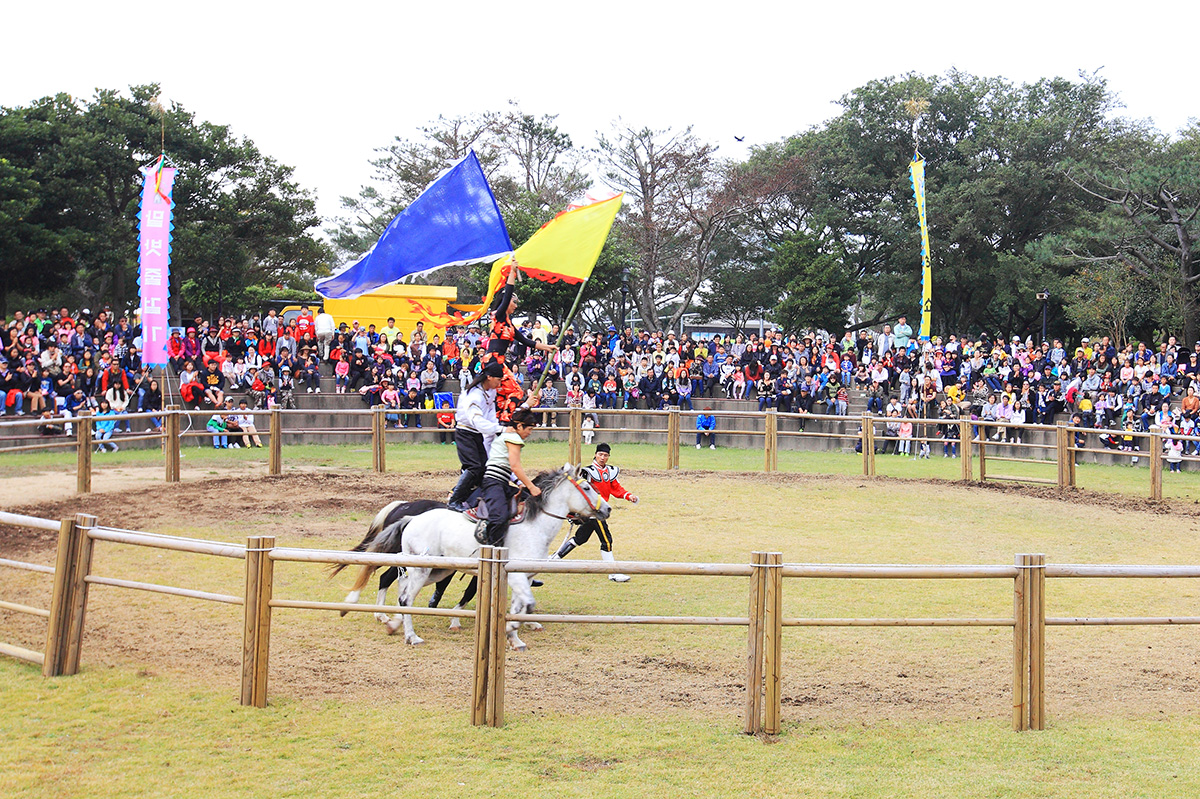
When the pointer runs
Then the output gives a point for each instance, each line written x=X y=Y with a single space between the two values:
x=833 y=675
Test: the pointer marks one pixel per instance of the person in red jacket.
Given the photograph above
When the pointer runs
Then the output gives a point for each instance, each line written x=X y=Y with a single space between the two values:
x=604 y=479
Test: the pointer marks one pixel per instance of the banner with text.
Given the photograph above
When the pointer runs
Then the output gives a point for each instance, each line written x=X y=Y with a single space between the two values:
x=154 y=259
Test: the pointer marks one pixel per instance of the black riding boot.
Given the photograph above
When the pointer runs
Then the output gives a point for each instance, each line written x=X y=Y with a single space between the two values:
x=461 y=489
x=566 y=547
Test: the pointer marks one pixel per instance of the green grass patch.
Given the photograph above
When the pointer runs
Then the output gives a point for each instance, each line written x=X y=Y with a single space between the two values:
x=116 y=733
x=410 y=457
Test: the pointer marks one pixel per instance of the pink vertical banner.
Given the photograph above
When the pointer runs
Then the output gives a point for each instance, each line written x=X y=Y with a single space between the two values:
x=154 y=259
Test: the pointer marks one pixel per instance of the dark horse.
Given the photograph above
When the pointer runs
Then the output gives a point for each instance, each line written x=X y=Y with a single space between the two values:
x=400 y=513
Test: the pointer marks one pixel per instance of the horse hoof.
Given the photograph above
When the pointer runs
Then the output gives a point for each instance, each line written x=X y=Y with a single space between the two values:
x=414 y=640
x=392 y=628
x=381 y=618
x=455 y=626
x=519 y=647
x=533 y=625
x=343 y=613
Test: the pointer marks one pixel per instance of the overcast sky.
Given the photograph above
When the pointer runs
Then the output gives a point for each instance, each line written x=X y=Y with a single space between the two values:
x=320 y=86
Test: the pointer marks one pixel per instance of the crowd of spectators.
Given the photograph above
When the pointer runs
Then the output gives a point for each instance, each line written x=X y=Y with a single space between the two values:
x=56 y=364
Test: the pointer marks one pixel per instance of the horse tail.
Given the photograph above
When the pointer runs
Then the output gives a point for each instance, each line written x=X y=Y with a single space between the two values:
x=386 y=533
x=373 y=530
x=390 y=541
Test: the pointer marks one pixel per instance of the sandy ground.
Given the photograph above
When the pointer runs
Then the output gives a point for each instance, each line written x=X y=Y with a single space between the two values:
x=568 y=669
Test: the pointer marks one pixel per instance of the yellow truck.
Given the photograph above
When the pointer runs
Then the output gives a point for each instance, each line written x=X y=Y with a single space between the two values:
x=388 y=301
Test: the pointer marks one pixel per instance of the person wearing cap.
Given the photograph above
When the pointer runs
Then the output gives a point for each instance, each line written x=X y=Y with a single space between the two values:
x=603 y=478
x=284 y=389
x=477 y=427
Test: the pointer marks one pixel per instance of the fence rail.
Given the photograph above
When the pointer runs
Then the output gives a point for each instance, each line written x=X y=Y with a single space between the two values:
x=975 y=442
x=764 y=620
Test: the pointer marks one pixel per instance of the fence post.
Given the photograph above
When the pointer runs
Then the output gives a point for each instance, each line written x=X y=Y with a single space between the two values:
x=964 y=447
x=256 y=630
x=1062 y=452
x=1037 y=642
x=275 y=455
x=1021 y=645
x=866 y=441
x=1156 y=454
x=982 y=455
x=575 y=435
x=379 y=439
x=484 y=615
x=673 y=437
x=81 y=565
x=58 y=625
x=771 y=440
x=754 y=640
x=772 y=642
x=171 y=443
x=1071 y=460
x=497 y=649
x=83 y=453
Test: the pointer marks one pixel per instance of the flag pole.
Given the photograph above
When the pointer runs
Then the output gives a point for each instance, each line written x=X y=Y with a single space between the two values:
x=562 y=333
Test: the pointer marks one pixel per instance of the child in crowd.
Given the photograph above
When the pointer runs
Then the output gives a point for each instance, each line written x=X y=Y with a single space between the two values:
x=105 y=427
x=284 y=393
x=216 y=425
x=905 y=431
x=341 y=374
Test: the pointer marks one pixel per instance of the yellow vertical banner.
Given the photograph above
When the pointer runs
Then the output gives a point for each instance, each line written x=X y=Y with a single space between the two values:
x=917 y=171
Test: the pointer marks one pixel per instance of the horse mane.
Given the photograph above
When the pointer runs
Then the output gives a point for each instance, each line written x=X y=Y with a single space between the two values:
x=546 y=481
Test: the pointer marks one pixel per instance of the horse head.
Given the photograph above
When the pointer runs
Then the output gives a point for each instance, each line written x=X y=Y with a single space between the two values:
x=584 y=500
x=569 y=486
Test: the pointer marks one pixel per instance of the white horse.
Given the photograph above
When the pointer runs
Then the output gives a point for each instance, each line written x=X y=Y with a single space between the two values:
x=446 y=533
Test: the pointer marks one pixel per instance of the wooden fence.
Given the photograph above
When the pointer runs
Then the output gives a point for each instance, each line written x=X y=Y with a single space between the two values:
x=764 y=621
x=974 y=441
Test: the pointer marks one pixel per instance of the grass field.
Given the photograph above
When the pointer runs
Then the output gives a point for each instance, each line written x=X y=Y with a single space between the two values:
x=616 y=710
x=1134 y=482
x=111 y=732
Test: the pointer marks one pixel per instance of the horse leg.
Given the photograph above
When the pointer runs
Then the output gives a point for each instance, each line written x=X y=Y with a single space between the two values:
x=438 y=589
x=386 y=579
x=468 y=595
x=352 y=597
x=522 y=600
x=414 y=580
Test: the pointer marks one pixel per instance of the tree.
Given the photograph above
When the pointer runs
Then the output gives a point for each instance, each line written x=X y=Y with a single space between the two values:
x=817 y=287
x=740 y=288
x=1149 y=187
x=239 y=218
x=996 y=189
x=32 y=257
x=1106 y=296
x=685 y=201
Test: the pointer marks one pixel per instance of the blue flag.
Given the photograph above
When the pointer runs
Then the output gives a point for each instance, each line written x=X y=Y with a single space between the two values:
x=454 y=221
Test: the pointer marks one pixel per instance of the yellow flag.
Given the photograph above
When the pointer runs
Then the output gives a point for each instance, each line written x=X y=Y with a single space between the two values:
x=566 y=248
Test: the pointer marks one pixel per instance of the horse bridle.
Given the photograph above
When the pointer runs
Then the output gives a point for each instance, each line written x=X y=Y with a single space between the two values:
x=586 y=499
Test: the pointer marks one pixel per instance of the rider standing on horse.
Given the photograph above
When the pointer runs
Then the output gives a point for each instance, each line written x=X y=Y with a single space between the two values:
x=504 y=461
x=604 y=479
x=476 y=426
x=509 y=395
